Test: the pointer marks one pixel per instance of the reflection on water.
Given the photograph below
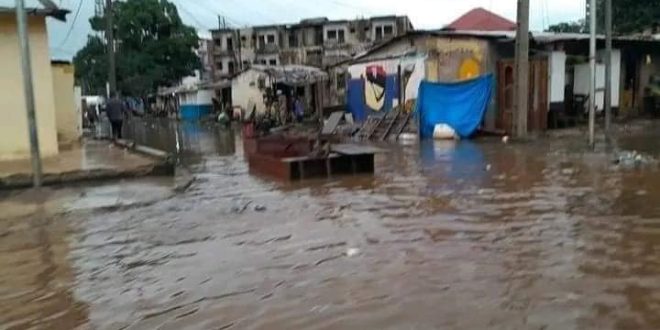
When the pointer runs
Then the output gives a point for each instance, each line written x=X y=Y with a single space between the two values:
x=36 y=276
x=191 y=142
x=467 y=235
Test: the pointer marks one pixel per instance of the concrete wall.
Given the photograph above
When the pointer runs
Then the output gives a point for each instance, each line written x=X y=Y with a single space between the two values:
x=348 y=38
x=375 y=86
x=196 y=97
x=453 y=58
x=268 y=59
x=245 y=90
x=447 y=59
x=14 y=138
x=68 y=119
x=459 y=58
x=413 y=70
x=380 y=24
x=265 y=33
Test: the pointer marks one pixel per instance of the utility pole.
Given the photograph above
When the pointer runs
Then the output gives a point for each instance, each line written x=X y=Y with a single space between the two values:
x=110 y=35
x=592 y=72
x=522 y=69
x=608 y=66
x=28 y=89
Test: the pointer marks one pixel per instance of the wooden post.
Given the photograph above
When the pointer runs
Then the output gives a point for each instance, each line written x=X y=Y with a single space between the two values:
x=608 y=66
x=522 y=69
x=110 y=35
x=400 y=81
x=592 y=72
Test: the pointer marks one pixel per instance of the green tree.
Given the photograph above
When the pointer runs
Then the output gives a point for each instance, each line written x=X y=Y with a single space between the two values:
x=628 y=16
x=152 y=48
x=631 y=16
x=569 y=27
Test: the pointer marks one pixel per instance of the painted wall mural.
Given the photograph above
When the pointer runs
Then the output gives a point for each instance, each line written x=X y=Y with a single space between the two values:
x=375 y=86
x=459 y=59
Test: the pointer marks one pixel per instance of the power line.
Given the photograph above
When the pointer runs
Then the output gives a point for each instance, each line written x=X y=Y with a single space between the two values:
x=547 y=12
x=259 y=13
x=217 y=12
x=201 y=26
x=73 y=24
x=351 y=6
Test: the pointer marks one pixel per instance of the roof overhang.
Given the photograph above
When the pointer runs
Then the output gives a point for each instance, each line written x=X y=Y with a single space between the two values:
x=43 y=8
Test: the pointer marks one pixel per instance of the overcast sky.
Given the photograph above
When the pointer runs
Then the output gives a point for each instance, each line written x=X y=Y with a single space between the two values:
x=203 y=14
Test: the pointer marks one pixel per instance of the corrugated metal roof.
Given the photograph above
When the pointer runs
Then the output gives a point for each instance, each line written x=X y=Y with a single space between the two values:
x=489 y=35
x=292 y=74
x=509 y=36
x=35 y=7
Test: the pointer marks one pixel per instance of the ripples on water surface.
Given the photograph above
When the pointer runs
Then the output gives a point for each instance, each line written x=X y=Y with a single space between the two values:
x=546 y=237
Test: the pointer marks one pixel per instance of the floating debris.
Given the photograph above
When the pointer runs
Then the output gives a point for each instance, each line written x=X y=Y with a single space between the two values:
x=352 y=252
x=633 y=158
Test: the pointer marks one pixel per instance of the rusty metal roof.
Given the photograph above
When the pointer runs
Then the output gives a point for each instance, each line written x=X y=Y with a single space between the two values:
x=481 y=19
x=292 y=74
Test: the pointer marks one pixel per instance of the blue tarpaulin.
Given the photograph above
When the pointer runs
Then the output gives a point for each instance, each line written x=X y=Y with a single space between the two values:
x=461 y=105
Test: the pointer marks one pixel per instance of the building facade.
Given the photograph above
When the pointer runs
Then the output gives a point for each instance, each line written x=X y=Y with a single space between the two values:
x=317 y=42
x=14 y=137
x=205 y=54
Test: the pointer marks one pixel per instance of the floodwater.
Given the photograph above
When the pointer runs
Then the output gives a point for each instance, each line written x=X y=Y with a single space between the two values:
x=469 y=235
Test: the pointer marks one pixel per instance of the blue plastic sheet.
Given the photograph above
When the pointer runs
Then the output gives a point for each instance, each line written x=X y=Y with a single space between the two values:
x=461 y=105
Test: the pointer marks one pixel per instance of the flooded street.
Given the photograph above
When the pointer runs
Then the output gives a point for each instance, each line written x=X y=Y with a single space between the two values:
x=470 y=235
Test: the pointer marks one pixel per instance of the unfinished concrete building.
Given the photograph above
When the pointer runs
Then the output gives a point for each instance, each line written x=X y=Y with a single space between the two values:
x=317 y=42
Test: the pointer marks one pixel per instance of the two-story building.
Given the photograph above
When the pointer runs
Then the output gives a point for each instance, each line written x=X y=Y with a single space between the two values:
x=225 y=54
x=317 y=42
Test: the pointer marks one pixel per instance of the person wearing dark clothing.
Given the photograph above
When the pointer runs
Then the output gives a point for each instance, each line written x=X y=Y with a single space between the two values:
x=115 y=111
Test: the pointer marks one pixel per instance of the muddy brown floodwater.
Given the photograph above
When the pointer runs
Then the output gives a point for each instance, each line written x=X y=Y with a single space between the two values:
x=469 y=235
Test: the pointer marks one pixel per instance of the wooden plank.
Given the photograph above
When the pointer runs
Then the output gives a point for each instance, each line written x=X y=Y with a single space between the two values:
x=389 y=127
x=403 y=125
x=354 y=149
x=366 y=127
x=378 y=121
x=332 y=123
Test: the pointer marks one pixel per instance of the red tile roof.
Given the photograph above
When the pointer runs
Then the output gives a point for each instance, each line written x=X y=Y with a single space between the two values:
x=480 y=19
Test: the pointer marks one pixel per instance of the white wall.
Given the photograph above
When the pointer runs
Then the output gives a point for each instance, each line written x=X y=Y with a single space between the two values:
x=581 y=84
x=245 y=90
x=616 y=74
x=205 y=96
x=557 y=76
x=582 y=80
x=196 y=97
